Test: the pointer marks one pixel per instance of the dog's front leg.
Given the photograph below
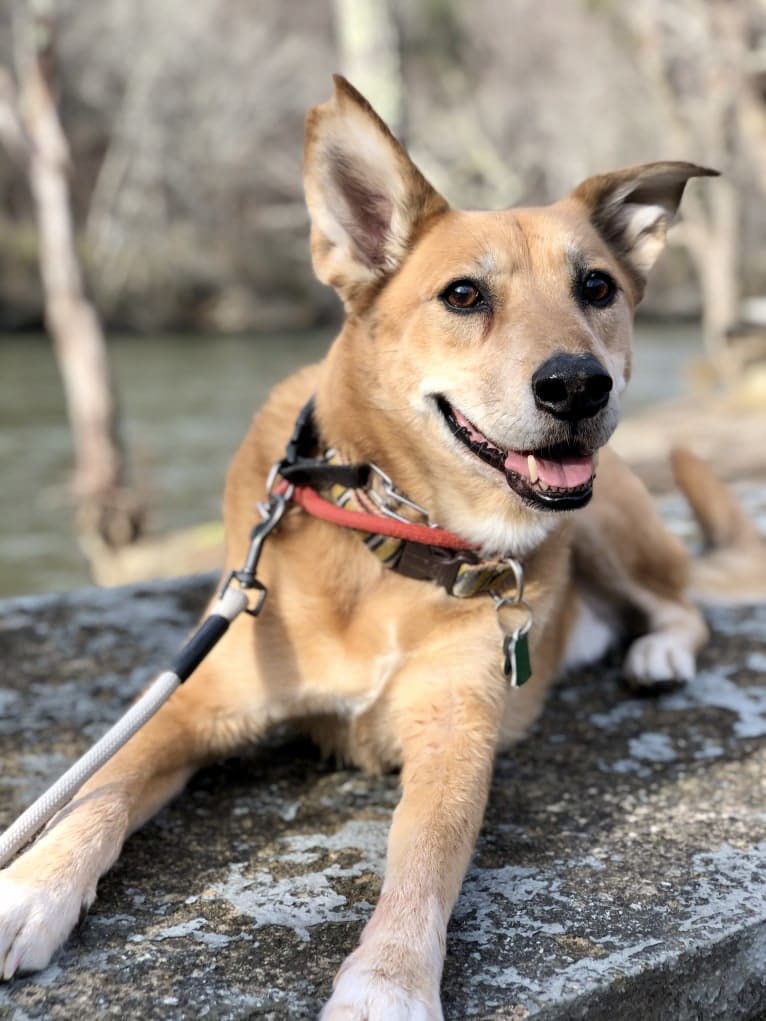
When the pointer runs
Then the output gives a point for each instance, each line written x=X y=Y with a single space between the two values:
x=45 y=890
x=448 y=744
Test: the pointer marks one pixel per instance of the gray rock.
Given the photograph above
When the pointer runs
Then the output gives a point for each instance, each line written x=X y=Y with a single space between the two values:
x=621 y=872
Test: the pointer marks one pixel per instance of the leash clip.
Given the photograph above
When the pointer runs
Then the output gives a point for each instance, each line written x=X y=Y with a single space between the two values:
x=272 y=513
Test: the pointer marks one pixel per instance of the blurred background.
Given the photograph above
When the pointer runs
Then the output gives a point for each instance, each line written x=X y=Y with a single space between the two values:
x=150 y=167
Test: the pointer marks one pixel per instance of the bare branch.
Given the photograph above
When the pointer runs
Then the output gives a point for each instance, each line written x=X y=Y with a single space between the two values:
x=106 y=507
x=12 y=135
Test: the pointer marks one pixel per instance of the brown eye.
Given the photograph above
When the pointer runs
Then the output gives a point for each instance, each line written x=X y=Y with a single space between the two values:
x=598 y=289
x=463 y=296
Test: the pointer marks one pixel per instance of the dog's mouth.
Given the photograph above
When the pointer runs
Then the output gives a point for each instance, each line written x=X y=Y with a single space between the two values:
x=557 y=478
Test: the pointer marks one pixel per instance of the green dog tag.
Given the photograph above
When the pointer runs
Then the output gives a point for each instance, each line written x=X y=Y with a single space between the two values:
x=517 y=666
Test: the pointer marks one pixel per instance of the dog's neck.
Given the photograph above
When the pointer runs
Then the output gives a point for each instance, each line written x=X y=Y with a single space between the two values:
x=364 y=427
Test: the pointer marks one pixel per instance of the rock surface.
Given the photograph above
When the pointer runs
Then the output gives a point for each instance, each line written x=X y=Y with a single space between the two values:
x=621 y=871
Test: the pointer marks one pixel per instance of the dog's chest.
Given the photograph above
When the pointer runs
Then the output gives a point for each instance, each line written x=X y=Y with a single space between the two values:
x=386 y=660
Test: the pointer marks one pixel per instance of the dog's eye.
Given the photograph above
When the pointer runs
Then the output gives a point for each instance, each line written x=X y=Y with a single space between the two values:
x=598 y=289
x=463 y=295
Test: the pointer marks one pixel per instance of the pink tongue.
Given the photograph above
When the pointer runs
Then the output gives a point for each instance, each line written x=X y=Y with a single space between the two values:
x=569 y=473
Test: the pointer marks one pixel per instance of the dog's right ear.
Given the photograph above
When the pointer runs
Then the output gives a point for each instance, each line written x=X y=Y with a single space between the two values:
x=367 y=199
x=633 y=208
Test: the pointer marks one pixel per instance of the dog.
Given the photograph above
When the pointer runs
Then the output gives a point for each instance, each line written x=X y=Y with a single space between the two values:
x=476 y=380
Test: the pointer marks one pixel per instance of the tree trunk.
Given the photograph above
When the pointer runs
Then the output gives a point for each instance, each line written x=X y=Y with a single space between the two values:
x=368 y=44
x=107 y=510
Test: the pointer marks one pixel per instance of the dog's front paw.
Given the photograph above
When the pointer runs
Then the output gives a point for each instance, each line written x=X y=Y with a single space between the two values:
x=35 y=919
x=658 y=661
x=364 y=993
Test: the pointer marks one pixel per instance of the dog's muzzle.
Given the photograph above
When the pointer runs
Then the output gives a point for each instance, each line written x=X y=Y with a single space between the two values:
x=555 y=477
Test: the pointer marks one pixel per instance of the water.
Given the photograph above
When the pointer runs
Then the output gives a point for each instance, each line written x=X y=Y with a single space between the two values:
x=186 y=402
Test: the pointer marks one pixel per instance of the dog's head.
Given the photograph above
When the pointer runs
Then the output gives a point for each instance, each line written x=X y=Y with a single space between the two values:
x=487 y=348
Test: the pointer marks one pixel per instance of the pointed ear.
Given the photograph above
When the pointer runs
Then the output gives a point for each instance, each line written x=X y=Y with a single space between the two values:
x=367 y=200
x=633 y=208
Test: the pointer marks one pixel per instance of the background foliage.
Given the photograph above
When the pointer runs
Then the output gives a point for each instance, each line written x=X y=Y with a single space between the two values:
x=186 y=121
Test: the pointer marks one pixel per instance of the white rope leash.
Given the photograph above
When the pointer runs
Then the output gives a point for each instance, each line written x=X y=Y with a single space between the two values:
x=224 y=611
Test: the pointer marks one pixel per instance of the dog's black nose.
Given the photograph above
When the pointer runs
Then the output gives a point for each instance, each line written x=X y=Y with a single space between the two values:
x=571 y=386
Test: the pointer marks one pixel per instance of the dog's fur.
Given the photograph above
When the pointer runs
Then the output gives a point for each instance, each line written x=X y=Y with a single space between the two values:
x=383 y=670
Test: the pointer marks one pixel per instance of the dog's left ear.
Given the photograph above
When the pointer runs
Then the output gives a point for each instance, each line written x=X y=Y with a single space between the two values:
x=633 y=208
x=367 y=199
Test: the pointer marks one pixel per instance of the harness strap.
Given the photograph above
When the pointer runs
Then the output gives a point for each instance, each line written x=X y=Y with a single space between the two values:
x=301 y=466
x=417 y=551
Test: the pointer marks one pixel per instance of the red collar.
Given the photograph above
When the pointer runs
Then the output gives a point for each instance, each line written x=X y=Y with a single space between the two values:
x=318 y=507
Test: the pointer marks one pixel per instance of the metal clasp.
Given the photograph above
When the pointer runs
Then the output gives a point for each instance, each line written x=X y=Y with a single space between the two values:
x=272 y=513
x=271 y=481
x=390 y=491
x=518 y=576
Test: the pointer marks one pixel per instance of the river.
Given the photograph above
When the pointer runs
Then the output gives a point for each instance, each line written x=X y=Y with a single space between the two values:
x=186 y=402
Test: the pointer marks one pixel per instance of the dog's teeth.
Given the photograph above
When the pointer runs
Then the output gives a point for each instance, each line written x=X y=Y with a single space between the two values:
x=595 y=459
x=543 y=485
x=532 y=465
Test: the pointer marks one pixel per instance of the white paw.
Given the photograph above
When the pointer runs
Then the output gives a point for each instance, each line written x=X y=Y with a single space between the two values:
x=35 y=919
x=362 y=993
x=658 y=658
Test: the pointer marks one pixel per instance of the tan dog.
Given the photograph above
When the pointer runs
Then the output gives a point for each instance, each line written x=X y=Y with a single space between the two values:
x=472 y=341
